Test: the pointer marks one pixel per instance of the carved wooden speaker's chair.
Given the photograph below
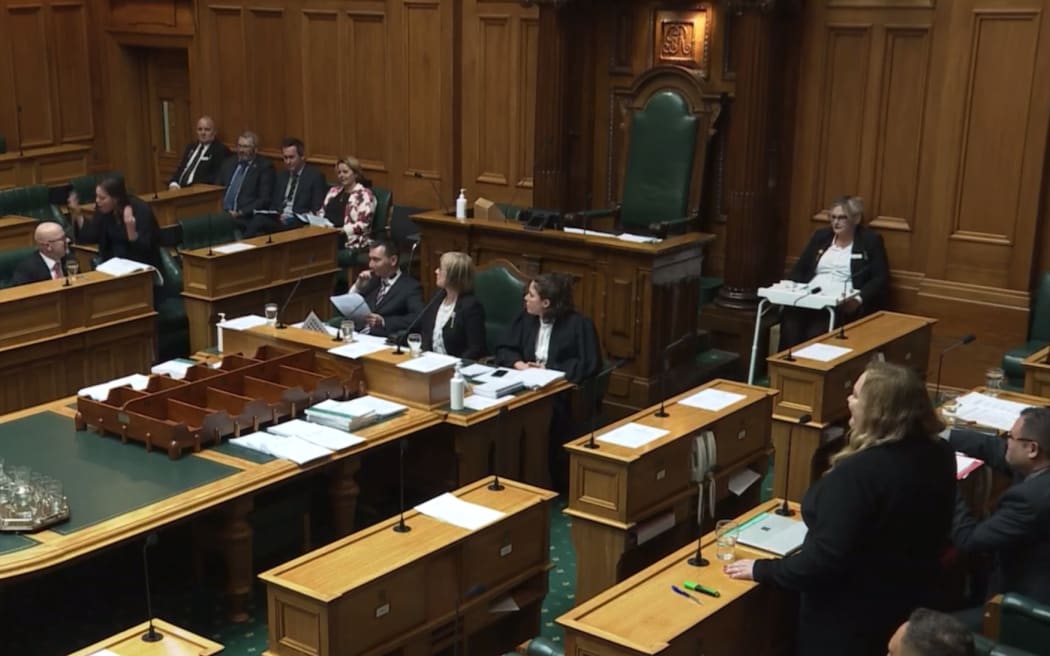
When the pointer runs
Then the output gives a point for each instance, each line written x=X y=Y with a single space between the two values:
x=671 y=119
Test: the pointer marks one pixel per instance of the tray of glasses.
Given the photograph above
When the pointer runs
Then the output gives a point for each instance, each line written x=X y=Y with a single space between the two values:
x=30 y=501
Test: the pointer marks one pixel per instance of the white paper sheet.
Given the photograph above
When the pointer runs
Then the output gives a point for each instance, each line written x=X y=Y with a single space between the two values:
x=100 y=391
x=535 y=378
x=233 y=247
x=104 y=652
x=452 y=510
x=323 y=436
x=638 y=239
x=429 y=363
x=175 y=368
x=822 y=352
x=504 y=605
x=357 y=349
x=743 y=479
x=592 y=233
x=119 y=266
x=965 y=465
x=633 y=435
x=352 y=306
x=362 y=405
x=712 y=399
x=244 y=323
x=475 y=370
x=986 y=410
x=287 y=448
x=476 y=402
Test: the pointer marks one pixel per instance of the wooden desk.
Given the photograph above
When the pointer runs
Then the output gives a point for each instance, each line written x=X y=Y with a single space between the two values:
x=379 y=591
x=1037 y=373
x=17 y=232
x=642 y=615
x=176 y=642
x=615 y=490
x=244 y=282
x=172 y=205
x=51 y=165
x=621 y=286
x=821 y=388
x=55 y=340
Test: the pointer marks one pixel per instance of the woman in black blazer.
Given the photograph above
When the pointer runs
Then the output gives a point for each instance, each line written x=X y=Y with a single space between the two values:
x=123 y=226
x=879 y=522
x=456 y=324
x=824 y=263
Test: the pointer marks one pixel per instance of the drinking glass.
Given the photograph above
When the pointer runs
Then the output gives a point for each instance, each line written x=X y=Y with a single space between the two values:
x=948 y=403
x=993 y=381
x=271 y=314
x=72 y=269
x=348 y=330
x=725 y=539
x=415 y=344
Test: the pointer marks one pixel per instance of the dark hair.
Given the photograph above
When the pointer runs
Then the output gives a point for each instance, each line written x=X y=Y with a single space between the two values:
x=115 y=189
x=930 y=633
x=1036 y=427
x=389 y=247
x=556 y=288
x=288 y=142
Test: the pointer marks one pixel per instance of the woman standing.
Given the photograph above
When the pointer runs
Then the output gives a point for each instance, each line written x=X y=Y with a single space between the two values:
x=455 y=325
x=351 y=205
x=122 y=226
x=879 y=522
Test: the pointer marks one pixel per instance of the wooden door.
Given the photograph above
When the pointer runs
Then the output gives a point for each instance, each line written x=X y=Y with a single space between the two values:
x=171 y=126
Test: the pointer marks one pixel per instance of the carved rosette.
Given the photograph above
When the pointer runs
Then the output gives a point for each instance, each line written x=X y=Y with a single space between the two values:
x=683 y=38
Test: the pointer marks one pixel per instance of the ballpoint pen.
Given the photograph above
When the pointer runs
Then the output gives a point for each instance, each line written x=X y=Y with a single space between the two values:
x=686 y=595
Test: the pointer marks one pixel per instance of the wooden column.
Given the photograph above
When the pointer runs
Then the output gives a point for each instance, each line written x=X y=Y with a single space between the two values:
x=551 y=132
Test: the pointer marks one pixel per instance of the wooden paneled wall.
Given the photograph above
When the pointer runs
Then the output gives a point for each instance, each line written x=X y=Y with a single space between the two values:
x=45 y=68
x=937 y=114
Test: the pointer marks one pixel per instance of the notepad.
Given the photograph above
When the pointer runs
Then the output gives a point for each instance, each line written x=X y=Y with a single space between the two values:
x=323 y=436
x=822 y=352
x=451 y=509
x=712 y=399
x=287 y=448
x=475 y=370
x=246 y=322
x=481 y=402
x=638 y=239
x=536 y=378
x=773 y=533
x=429 y=363
x=632 y=435
x=358 y=349
x=233 y=247
x=119 y=266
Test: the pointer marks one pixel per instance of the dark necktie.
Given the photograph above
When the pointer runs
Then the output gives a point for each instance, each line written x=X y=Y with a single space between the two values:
x=290 y=198
x=229 y=202
x=384 y=287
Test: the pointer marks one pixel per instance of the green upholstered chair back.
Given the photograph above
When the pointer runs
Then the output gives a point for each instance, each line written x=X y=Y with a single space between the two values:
x=85 y=185
x=384 y=208
x=500 y=287
x=659 y=171
x=1024 y=623
x=32 y=201
x=9 y=262
x=207 y=230
x=172 y=273
x=1041 y=310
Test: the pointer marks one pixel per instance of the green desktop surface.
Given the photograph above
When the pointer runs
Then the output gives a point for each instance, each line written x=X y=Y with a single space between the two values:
x=102 y=478
x=14 y=542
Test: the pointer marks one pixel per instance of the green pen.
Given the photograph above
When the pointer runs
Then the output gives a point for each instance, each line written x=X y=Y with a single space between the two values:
x=696 y=587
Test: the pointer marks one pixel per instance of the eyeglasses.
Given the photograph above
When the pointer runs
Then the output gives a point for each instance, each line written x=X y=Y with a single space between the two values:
x=1010 y=436
x=838 y=217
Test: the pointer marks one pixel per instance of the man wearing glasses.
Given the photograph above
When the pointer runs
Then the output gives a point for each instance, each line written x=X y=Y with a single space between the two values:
x=248 y=180
x=1017 y=532
x=48 y=262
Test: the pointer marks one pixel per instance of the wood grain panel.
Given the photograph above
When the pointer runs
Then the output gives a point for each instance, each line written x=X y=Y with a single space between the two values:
x=527 y=54
x=366 y=93
x=224 y=43
x=495 y=99
x=72 y=71
x=323 y=76
x=269 y=85
x=32 y=72
x=424 y=89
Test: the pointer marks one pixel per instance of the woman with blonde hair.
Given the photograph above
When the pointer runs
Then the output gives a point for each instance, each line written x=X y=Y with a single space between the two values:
x=456 y=325
x=351 y=205
x=879 y=521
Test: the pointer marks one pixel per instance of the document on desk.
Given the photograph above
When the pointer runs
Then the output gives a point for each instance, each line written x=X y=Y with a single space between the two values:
x=477 y=402
x=233 y=247
x=773 y=533
x=632 y=435
x=536 y=378
x=429 y=363
x=743 y=479
x=638 y=239
x=451 y=509
x=712 y=399
x=358 y=348
x=352 y=306
x=475 y=370
x=119 y=266
x=323 y=436
x=287 y=448
x=101 y=391
x=965 y=465
x=176 y=368
x=822 y=352
x=987 y=410
x=246 y=322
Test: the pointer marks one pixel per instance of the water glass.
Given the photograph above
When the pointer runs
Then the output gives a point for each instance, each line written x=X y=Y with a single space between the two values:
x=415 y=344
x=993 y=380
x=271 y=314
x=948 y=404
x=348 y=330
x=725 y=539
x=72 y=269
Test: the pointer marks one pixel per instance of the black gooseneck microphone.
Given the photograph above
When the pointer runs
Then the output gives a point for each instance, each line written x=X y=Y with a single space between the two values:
x=401 y=527
x=784 y=510
x=152 y=635
x=815 y=290
x=281 y=325
x=965 y=339
x=592 y=414
x=412 y=253
x=415 y=322
x=437 y=192
x=495 y=485
x=667 y=366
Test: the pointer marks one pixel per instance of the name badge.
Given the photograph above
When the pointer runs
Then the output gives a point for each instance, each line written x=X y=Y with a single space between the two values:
x=857 y=256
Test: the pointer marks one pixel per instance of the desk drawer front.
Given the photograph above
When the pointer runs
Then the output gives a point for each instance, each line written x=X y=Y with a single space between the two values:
x=658 y=476
x=505 y=549
x=598 y=486
x=743 y=433
x=380 y=612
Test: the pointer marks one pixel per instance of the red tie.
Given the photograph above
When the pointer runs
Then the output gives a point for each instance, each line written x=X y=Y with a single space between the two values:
x=56 y=271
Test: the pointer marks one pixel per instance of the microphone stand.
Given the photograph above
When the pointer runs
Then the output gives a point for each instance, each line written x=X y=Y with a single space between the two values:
x=437 y=192
x=611 y=367
x=281 y=325
x=401 y=527
x=784 y=510
x=965 y=339
x=152 y=635
x=697 y=559
x=495 y=485
x=662 y=412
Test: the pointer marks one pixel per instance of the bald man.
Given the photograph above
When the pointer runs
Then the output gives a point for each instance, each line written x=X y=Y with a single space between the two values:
x=48 y=262
x=202 y=159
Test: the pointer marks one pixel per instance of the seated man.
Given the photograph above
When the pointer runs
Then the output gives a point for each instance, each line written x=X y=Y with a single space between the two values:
x=929 y=633
x=395 y=298
x=1017 y=533
x=202 y=159
x=299 y=189
x=48 y=263
x=248 y=180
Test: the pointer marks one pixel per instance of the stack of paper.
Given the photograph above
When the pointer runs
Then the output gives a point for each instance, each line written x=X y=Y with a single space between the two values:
x=475 y=402
x=360 y=347
x=233 y=247
x=175 y=368
x=429 y=363
x=593 y=233
x=353 y=414
x=632 y=435
x=475 y=370
x=535 y=378
x=712 y=399
x=822 y=352
x=451 y=509
x=288 y=448
x=638 y=239
x=323 y=436
x=101 y=391
x=987 y=410
x=119 y=266
x=246 y=322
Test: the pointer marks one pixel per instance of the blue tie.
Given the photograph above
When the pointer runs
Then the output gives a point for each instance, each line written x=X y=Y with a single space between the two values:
x=229 y=202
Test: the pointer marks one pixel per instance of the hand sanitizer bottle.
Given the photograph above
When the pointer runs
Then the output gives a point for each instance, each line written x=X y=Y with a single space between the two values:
x=457 y=387
x=461 y=204
x=218 y=331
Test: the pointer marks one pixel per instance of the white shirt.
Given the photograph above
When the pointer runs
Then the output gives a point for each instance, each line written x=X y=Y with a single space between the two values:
x=445 y=312
x=543 y=341
x=51 y=266
x=833 y=270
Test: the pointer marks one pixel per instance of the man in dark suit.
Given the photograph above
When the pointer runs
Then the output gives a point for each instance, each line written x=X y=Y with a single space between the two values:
x=299 y=189
x=202 y=159
x=248 y=180
x=395 y=298
x=1017 y=533
x=48 y=263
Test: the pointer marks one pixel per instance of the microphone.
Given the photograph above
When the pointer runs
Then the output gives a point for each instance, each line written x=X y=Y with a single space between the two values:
x=18 y=128
x=815 y=290
x=964 y=340
x=608 y=369
x=784 y=510
x=667 y=366
x=152 y=635
x=281 y=325
x=401 y=527
x=415 y=322
x=412 y=253
x=437 y=192
x=495 y=485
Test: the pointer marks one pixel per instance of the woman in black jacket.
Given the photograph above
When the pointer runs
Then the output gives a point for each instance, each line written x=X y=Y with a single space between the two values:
x=456 y=324
x=844 y=256
x=122 y=226
x=879 y=522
